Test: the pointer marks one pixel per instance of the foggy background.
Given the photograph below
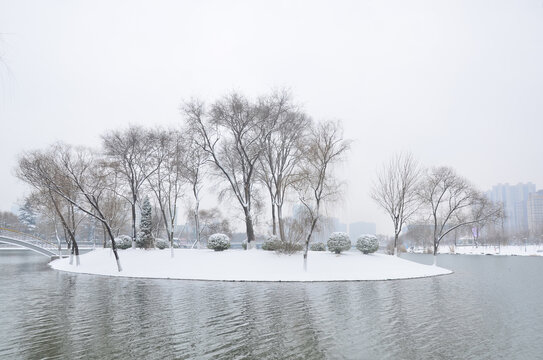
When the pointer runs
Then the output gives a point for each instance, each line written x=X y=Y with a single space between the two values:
x=457 y=83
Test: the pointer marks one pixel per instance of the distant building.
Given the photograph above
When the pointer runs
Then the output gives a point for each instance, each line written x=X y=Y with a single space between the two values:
x=535 y=213
x=515 y=203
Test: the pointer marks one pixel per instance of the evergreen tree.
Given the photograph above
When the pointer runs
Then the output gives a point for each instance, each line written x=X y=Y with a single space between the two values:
x=146 y=224
x=27 y=216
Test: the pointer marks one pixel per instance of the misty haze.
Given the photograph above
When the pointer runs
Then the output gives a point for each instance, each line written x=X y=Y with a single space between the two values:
x=271 y=180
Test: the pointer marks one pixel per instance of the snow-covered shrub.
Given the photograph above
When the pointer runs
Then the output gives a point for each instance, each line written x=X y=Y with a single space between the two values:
x=289 y=247
x=367 y=244
x=244 y=244
x=218 y=242
x=338 y=242
x=122 y=242
x=162 y=243
x=271 y=243
x=318 y=247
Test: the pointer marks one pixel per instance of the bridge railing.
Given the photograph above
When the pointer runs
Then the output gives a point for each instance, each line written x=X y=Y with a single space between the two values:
x=28 y=238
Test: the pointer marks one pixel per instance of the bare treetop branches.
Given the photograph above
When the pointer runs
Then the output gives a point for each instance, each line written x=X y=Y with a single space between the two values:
x=231 y=133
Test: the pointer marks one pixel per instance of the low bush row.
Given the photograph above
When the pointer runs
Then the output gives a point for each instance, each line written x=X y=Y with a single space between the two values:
x=337 y=243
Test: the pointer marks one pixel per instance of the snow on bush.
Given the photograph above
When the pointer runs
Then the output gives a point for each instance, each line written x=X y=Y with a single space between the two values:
x=162 y=243
x=367 y=244
x=338 y=242
x=318 y=247
x=218 y=242
x=271 y=243
x=122 y=242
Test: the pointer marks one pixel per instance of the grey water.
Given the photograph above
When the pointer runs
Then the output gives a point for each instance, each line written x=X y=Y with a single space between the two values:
x=490 y=308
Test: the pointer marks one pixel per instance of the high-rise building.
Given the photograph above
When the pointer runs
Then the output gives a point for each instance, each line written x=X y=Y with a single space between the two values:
x=535 y=213
x=515 y=203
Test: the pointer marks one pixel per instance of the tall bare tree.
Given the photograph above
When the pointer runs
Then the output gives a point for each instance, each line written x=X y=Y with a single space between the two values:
x=230 y=132
x=282 y=153
x=316 y=183
x=129 y=153
x=396 y=191
x=193 y=170
x=167 y=181
x=452 y=203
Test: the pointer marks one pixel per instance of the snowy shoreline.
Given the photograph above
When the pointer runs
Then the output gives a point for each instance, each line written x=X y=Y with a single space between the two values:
x=505 y=250
x=254 y=265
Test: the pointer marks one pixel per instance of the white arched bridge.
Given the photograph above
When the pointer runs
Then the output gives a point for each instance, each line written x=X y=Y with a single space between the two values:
x=30 y=242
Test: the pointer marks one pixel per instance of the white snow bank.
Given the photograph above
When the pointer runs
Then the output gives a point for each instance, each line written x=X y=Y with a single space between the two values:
x=506 y=250
x=252 y=265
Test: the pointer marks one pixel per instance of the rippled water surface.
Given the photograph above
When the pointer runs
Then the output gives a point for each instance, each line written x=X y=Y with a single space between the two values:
x=490 y=308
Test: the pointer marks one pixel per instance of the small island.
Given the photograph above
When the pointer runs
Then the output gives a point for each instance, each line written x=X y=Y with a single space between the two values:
x=252 y=265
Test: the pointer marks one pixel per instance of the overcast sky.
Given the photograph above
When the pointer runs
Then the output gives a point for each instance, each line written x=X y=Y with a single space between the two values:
x=457 y=83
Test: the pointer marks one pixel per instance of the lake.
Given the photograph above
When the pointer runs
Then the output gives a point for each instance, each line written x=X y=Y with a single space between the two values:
x=490 y=308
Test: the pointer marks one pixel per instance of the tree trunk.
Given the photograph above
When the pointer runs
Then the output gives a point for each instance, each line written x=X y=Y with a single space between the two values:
x=133 y=221
x=436 y=244
x=197 y=221
x=76 y=250
x=274 y=227
x=281 y=223
x=249 y=228
x=395 y=244
x=114 y=248
x=308 y=239
x=170 y=235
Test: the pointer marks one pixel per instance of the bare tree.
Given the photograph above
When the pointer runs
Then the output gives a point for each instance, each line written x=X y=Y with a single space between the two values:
x=129 y=153
x=396 y=191
x=41 y=171
x=281 y=156
x=316 y=184
x=193 y=170
x=452 y=203
x=167 y=181
x=80 y=168
x=230 y=132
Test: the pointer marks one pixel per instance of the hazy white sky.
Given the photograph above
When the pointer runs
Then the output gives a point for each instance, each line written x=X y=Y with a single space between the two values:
x=457 y=83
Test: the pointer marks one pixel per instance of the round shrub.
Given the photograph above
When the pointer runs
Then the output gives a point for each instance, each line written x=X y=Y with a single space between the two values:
x=244 y=244
x=162 y=243
x=367 y=244
x=122 y=242
x=338 y=242
x=218 y=242
x=318 y=247
x=271 y=243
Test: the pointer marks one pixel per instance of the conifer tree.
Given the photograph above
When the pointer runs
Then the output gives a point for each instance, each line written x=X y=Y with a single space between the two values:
x=146 y=236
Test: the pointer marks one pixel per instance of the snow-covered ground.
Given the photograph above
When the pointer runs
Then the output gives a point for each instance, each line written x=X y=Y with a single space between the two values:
x=253 y=265
x=511 y=250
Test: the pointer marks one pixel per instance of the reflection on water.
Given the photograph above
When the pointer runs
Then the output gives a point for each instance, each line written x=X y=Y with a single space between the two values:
x=489 y=308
